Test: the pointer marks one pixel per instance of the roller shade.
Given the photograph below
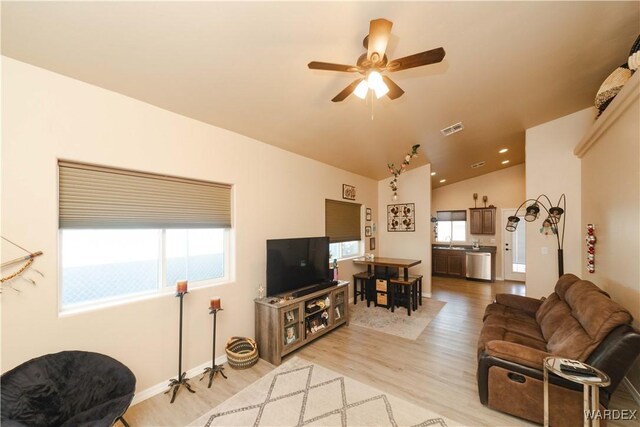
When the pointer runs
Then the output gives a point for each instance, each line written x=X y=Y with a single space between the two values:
x=451 y=215
x=100 y=197
x=342 y=221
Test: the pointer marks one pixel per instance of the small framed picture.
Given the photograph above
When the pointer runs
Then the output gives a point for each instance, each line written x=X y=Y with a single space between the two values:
x=367 y=231
x=372 y=243
x=348 y=192
x=290 y=336
x=368 y=214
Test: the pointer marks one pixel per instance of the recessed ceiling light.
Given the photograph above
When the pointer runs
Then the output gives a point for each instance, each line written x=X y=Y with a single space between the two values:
x=433 y=173
x=504 y=162
x=443 y=180
x=504 y=150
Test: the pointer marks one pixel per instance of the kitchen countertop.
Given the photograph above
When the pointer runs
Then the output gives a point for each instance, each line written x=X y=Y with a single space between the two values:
x=454 y=247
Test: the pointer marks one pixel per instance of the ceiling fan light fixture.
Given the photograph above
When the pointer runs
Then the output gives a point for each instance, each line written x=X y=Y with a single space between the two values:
x=381 y=91
x=361 y=90
x=375 y=83
x=374 y=79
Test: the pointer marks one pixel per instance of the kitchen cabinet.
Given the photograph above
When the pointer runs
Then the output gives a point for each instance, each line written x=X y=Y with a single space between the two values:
x=452 y=261
x=448 y=262
x=482 y=220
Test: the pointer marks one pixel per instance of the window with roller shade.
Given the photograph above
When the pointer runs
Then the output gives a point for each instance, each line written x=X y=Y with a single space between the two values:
x=124 y=234
x=343 y=227
x=452 y=226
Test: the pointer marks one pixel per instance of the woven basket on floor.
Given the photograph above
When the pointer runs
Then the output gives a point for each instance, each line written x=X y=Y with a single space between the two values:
x=242 y=352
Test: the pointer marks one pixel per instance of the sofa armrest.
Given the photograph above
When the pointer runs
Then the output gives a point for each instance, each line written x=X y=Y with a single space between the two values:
x=527 y=304
x=516 y=353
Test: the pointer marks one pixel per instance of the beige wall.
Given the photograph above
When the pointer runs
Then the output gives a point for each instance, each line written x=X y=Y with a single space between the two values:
x=276 y=194
x=553 y=169
x=504 y=189
x=414 y=186
x=611 y=201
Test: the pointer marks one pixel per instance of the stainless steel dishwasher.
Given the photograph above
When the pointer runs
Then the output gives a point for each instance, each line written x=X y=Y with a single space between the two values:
x=479 y=265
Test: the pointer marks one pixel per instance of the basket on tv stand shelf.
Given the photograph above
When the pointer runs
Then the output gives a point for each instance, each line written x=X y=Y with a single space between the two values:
x=284 y=325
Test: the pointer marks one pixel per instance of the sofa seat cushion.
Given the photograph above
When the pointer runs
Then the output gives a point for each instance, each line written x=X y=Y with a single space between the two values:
x=497 y=309
x=519 y=329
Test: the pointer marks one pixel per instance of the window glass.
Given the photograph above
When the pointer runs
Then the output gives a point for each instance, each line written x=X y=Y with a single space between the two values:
x=458 y=232
x=102 y=264
x=345 y=249
x=194 y=254
x=452 y=231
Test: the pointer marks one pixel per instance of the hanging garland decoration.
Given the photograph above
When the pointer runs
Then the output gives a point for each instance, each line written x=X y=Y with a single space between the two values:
x=396 y=172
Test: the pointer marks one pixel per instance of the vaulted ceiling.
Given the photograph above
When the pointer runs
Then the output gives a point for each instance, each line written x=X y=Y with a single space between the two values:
x=242 y=66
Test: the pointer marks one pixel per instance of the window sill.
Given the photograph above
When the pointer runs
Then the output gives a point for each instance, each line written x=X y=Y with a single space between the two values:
x=151 y=295
x=350 y=257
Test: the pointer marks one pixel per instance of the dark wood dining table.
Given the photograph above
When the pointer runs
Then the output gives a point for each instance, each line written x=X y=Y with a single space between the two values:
x=404 y=264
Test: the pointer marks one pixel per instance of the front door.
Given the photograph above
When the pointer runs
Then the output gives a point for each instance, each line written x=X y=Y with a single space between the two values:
x=513 y=249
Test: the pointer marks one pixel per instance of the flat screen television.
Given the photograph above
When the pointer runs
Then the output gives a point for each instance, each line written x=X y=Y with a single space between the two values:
x=293 y=264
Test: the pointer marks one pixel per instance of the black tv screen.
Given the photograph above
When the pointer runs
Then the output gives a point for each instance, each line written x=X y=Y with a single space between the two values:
x=296 y=263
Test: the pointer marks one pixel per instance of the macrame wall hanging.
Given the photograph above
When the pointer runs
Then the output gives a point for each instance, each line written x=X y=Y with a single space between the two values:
x=19 y=266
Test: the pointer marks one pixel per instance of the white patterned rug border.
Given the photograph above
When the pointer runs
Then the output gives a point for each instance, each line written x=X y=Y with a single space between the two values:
x=255 y=397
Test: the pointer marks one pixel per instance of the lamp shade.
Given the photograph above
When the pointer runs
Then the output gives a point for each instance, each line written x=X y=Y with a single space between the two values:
x=532 y=212
x=361 y=90
x=381 y=90
x=556 y=212
x=512 y=223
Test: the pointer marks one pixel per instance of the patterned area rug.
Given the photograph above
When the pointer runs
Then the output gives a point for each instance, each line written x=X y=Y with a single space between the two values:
x=396 y=323
x=300 y=393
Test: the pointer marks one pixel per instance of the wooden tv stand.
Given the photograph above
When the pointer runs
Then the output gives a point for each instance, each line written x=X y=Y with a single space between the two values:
x=284 y=324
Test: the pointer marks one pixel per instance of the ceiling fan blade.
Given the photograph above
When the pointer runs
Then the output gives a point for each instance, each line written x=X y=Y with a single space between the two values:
x=346 y=91
x=394 y=90
x=419 y=59
x=379 y=32
x=315 y=65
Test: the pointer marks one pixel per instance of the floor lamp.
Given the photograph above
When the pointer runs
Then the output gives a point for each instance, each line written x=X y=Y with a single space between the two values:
x=554 y=215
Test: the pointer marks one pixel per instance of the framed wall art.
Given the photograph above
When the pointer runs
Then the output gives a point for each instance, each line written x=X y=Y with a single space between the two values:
x=348 y=192
x=367 y=231
x=368 y=214
x=401 y=217
x=372 y=243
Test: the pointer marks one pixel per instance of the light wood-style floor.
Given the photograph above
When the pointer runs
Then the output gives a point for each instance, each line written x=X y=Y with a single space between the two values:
x=436 y=371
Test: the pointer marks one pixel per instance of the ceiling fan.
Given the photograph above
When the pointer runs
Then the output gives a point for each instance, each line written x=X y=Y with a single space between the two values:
x=374 y=62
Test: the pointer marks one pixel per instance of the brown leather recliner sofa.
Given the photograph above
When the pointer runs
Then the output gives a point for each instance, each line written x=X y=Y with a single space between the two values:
x=578 y=321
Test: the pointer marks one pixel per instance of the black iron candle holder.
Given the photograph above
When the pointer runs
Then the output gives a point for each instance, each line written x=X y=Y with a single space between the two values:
x=214 y=369
x=182 y=380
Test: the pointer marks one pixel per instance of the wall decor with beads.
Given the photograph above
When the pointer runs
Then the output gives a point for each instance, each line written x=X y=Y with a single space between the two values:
x=591 y=249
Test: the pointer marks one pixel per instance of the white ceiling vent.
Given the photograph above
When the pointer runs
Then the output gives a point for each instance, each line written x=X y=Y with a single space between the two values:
x=452 y=129
x=478 y=165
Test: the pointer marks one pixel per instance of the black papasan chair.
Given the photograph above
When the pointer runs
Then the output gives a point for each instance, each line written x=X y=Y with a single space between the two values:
x=70 y=388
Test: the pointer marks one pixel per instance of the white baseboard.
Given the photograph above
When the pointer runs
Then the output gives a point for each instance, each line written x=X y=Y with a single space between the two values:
x=632 y=390
x=426 y=295
x=163 y=386
x=499 y=278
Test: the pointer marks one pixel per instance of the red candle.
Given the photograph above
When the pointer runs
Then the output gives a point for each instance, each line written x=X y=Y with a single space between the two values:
x=181 y=286
x=215 y=303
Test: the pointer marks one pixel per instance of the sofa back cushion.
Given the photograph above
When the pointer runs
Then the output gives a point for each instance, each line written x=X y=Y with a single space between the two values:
x=564 y=283
x=551 y=314
x=553 y=310
x=585 y=315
